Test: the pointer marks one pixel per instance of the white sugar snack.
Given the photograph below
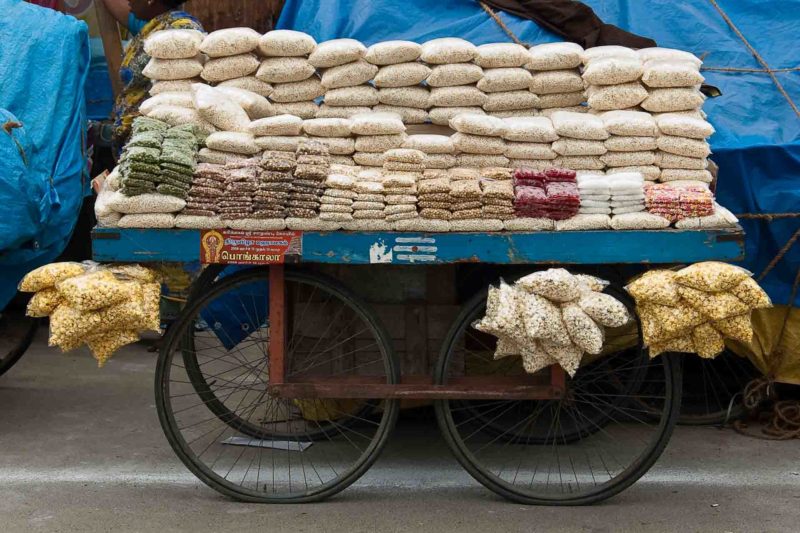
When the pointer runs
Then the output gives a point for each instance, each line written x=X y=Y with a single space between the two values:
x=629 y=143
x=554 y=56
x=481 y=160
x=498 y=55
x=418 y=97
x=338 y=145
x=683 y=146
x=286 y=43
x=402 y=75
x=684 y=126
x=478 y=124
x=529 y=224
x=379 y=143
x=450 y=75
x=556 y=81
x=579 y=126
x=145 y=203
x=349 y=74
x=460 y=96
x=248 y=83
x=684 y=174
x=668 y=54
x=510 y=101
x=173 y=69
x=441 y=115
x=302 y=109
x=671 y=74
x=579 y=162
x=174 y=115
x=600 y=52
x=522 y=150
x=327 y=127
x=230 y=141
x=148 y=220
x=173 y=43
x=298 y=91
x=329 y=111
x=255 y=105
x=285 y=69
x=613 y=70
x=506 y=79
x=280 y=143
x=336 y=52
x=230 y=42
x=549 y=101
x=377 y=124
x=178 y=98
x=621 y=96
x=530 y=129
x=448 y=50
x=430 y=144
x=582 y=222
x=666 y=160
x=219 y=109
x=172 y=86
x=640 y=220
x=393 y=52
x=567 y=146
x=410 y=115
x=229 y=67
x=478 y=144
x=276 y=125
x=674 y=99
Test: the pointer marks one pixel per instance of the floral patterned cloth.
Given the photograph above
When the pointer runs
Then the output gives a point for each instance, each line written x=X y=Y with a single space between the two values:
x=135 y=84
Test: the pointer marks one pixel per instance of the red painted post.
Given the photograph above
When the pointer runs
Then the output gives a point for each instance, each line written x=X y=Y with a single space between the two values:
x=558 y=380
x=277 y=325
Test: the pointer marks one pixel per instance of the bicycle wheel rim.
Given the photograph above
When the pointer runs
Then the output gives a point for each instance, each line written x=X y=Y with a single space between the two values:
x=307 y=480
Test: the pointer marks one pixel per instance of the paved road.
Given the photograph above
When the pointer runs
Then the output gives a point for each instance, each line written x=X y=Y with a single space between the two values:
x=81 y=450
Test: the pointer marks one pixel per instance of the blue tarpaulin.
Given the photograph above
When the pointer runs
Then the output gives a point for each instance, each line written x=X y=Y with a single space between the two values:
x=757 y=144
x=44 y=60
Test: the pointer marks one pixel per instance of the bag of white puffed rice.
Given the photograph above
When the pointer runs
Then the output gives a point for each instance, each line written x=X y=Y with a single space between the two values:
x=173 y=44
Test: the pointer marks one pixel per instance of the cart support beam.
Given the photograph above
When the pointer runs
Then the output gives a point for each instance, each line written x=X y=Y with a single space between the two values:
x=277 y=325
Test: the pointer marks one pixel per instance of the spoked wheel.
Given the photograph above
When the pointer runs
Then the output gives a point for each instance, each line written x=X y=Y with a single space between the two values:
x=211 y=390
x=712 y=389
x=16 y=334
x=578 y=450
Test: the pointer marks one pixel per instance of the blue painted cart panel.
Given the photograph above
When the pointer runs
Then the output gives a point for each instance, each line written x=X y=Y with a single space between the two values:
x=578 y=247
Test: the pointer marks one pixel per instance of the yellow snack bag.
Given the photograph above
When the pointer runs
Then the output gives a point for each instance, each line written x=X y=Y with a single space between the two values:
x=104 y=345
x=714 y=305
x=94 y=290
x=752 y=294
x=708 y=343
x=48 y=275
x=711 y=276
x=655 y=287
x=44 y=302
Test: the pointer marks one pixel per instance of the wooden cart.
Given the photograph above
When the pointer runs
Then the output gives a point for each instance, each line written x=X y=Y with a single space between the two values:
x=278 y=384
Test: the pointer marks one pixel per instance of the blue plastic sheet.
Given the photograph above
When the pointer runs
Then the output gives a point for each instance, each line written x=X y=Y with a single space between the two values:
x=44 y=61
x=757 y=144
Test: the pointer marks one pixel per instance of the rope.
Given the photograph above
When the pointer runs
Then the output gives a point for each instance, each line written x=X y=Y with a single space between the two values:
x=502 y=24
x=757 y=70
x=758 y=57
x=780 y=255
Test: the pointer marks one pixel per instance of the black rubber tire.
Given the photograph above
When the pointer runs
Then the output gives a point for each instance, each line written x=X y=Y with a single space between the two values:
x=391 y=408
x=630 y=475
x=24 y=331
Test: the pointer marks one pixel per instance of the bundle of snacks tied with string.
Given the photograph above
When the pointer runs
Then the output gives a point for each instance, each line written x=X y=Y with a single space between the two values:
x=693 y=310
x=103 y=307
x=551 y=317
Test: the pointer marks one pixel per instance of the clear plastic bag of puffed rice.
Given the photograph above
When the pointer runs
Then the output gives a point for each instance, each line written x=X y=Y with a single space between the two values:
x=104 y=345
x=604 y=309
x=592 y=282
x=656 y=287
x=538 y=315
x=554 y=284
x=568 y=355
x=711 y=276
x=48 y=275
x=584 y=332
x=715 y=305
x=95 y=289
x=738 y=327
x=534 y=358
x=708 y=343
x=502 y=317
x=43 y=303
x=751 y=294
x=506 y=348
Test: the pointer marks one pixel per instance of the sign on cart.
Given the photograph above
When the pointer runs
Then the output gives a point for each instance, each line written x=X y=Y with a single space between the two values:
x=232 y=247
